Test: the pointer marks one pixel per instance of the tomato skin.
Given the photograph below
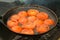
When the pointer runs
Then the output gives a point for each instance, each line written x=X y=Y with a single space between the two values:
x=31 y=18
x=29 y=25
x=16 y=29
x=49 y=22
x=23 y=20
x=38 y=22
x=22 y=14
x=42 y=15
x=11 y=23
x=32 y=12
x=27 y=31
x=14 y=17
x=42 y=29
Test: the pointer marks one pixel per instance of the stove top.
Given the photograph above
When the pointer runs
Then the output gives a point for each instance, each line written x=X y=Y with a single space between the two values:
x=6 y=34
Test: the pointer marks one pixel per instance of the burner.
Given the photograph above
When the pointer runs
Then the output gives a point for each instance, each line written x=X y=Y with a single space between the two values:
x=56 y=36
x=19 y=37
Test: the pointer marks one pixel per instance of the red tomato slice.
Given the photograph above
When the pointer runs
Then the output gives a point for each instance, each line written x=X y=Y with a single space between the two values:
x=16 y=29
x=27 y=31
x=10 y=23
x=23 y=20
x=42 y=15
x=38 y=22
x=32 y=12
x=29 y=25
x=31 y=18
x=22 y=14
x=15 y=17
x=42 y=28
x=49 y=22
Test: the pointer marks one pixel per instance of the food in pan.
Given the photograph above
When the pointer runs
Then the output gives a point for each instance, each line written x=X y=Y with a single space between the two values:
x=49 y=22
x=22 y=14
x=30 y=22
x=23 y=20
x=11 y=23
x=32 y=12
x=14 y=17
x=42 y=15
x=16 y=29
x=27 y=31
x=38 y=22
x=32 y=18
x=42 y=28
x=28 y=25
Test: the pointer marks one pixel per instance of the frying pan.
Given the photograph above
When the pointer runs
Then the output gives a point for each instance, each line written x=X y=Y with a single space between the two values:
x=16 y=9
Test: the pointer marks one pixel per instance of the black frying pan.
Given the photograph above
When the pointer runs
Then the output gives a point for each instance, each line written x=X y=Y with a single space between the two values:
x=14 y=10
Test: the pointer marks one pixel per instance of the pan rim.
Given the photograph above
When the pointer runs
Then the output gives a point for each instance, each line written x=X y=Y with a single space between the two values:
x=30 y=7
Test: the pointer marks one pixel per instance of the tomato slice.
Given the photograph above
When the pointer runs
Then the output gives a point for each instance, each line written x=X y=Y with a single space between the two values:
x=11 y=23
x=14 y=17
x=38 y=22
x=32 y=12
x=22 y=14
x=29 y=25
x=42 y=28
x=23 y=20
x=49 y=22
x=27 y=31
x=16 y=29
x=31 y=18
x=42 y=15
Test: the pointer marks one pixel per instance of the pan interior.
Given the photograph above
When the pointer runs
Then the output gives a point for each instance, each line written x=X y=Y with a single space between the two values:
x=17 y=9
